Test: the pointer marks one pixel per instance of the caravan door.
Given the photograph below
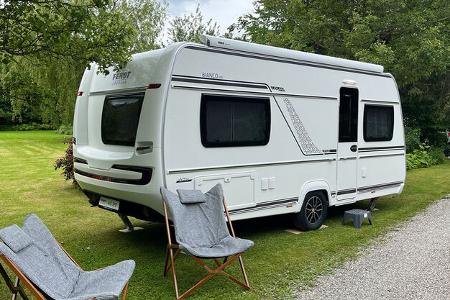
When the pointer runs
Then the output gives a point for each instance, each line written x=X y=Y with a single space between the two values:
x=347 y=149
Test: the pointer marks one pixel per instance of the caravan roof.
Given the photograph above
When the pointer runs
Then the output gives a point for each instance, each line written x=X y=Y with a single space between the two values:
x=304 y=57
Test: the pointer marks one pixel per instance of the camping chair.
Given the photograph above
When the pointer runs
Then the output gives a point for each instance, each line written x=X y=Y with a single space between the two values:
x=201 y=232
x=48 y=272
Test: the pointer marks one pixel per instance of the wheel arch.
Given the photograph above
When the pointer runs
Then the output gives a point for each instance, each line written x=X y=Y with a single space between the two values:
x=313 y=186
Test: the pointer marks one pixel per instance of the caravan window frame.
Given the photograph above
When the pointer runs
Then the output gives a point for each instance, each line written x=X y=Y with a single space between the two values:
x=391 y=125
x=120 y=140
x=206 y=98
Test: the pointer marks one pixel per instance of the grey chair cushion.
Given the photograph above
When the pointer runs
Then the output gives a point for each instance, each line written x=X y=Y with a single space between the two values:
x=15 y=238
x=42 y=269
x=106 y=283
x=50 y=269
x=191 y=196
x=228 y=246
x=200 y=228
x=44 y=240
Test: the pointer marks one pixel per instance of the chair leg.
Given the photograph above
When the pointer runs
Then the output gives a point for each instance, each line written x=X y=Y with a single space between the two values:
x=174 y=275
x=241 y=263
x=124 y=292
x=16 y=289
x=166 y=262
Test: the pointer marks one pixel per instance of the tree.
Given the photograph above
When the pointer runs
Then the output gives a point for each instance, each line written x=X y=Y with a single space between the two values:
x=191 y=27
x=41 y=70
x=85 y=31
x=410 y=38
x=148 y=17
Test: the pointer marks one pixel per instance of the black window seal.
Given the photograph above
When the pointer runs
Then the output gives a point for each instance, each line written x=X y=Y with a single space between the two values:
x=203 y=127
x=115 y=96
x=365 y=124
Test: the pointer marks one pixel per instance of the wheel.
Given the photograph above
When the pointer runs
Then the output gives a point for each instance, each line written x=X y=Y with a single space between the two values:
x=313 y=212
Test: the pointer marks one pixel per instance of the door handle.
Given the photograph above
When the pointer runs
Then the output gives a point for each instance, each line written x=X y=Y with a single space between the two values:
x=353 y=148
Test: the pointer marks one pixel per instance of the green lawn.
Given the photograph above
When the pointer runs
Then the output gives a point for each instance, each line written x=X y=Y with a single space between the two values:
x=279 y=261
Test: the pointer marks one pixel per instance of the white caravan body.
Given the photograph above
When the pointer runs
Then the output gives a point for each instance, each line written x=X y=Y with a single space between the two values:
x=269 y=124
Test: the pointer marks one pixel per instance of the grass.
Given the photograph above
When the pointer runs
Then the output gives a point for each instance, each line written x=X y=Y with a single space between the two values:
x=279 y=262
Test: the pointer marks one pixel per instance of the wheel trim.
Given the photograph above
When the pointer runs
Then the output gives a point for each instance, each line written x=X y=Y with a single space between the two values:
x=313 y=209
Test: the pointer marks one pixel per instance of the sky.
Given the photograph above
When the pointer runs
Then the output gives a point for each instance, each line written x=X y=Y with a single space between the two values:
x=224 y=12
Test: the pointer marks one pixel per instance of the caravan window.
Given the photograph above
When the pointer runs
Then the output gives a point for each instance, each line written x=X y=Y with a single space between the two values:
x=348 y=115
x=227 y=121
x=120 y=119
x=378 y=122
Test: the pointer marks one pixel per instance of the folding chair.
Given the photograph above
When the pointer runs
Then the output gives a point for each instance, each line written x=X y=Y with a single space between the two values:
x=49 y=272
x=201 y=232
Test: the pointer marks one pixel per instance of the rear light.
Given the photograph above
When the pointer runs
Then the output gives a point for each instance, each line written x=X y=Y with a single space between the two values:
x=448 y=134
x=79 y=93
x=151 y=86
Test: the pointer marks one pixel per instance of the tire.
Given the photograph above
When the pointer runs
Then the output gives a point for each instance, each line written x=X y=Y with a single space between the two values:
x=313 y=213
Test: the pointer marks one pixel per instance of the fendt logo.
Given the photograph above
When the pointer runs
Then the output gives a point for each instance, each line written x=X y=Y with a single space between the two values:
x=121 y=77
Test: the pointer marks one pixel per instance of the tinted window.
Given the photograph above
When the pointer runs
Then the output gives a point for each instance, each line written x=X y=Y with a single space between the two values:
x=378 y=123
x=120 y=119
x=348 y=115
x=227 y=121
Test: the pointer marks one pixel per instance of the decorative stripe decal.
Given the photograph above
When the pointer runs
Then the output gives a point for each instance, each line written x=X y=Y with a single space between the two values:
x=225 y=83
x=251 y=165
x=79 y=160
x=145 y=179
x=381 y=101
x=381 y=155
x=370 y=149
x=284 y=60
x=218 y=82
x=347 y=191
x=264 y=205
x=379 y=186
x=303 y=137
x=330 y=151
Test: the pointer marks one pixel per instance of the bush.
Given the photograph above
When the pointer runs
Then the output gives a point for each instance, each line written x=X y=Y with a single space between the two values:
x=438 y=155
x=28 y=127
x=65 y=129
x=66 y=162
x=412 y=139
x=424 y=156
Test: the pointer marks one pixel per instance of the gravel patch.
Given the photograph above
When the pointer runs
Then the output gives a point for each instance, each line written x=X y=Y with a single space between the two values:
x=410 y=262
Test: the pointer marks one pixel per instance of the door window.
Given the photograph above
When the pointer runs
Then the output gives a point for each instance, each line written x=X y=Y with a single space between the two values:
x=348 y=115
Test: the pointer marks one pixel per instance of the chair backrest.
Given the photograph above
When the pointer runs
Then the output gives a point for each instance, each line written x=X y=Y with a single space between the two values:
x=39 y=257
x=198 y=224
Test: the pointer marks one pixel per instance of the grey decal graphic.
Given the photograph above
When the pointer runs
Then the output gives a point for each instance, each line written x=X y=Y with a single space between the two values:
x=305 y=141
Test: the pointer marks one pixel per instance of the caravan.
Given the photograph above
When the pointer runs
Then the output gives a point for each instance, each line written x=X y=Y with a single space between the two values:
x=283 y=131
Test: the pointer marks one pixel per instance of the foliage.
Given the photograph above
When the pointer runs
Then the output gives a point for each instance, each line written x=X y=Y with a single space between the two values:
x=412 y=139
x=66 y=130
x=66 y=162
x=39 y=86
x=191 y=27
x=41 y=90
x=410 y=38
x=424 y=156
x=31 y=126
x=148 y=17
x=85 y=31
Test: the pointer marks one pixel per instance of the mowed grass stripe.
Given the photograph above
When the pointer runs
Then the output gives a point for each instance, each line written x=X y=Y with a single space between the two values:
x=279 y=262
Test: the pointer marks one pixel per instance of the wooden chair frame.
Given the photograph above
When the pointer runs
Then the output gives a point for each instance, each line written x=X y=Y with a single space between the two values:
x=16 y=287
x=173 y=250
